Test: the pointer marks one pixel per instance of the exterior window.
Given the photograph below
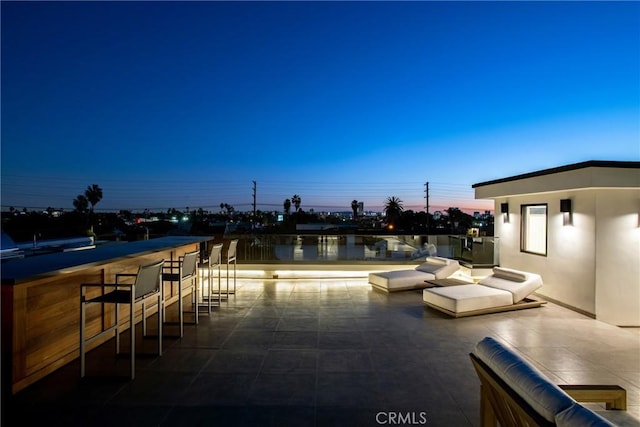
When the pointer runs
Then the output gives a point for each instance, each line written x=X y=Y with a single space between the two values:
x=534 y=229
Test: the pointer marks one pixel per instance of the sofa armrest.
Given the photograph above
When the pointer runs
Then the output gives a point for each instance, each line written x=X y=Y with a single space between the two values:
x=614 y=396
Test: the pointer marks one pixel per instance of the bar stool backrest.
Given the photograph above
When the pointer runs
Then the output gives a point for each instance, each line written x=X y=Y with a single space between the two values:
x=215 y=256
x=189 y=264
x=148 y=279
x=205 y=249
x=231 y=253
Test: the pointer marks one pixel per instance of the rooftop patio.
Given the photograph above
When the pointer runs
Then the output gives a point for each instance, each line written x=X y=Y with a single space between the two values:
x=325 y=352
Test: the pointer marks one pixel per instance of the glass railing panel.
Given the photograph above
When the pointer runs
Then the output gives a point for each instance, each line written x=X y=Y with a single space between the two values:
x=311 y=248
x=473 y=250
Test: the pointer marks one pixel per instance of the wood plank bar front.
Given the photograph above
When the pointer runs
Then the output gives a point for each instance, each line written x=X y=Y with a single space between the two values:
x=41 y=309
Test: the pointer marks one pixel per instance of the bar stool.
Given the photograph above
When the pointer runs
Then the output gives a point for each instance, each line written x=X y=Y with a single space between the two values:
x=183 y=272
x=214 y=260
x=205 y=250
x=231 y=258
x=146 y=287
x=203 y=265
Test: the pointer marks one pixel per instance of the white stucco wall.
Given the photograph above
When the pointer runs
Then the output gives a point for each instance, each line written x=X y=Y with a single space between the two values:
x=568 y=270
x=618 y=257
x=593 y=264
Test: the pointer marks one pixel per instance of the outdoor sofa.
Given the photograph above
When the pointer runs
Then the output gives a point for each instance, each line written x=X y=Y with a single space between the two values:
x=504 y=290
x=402 y=280
x=514 y=393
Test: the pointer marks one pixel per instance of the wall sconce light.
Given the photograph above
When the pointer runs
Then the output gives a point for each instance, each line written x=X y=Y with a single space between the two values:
x=565 y=208
x=504 y=210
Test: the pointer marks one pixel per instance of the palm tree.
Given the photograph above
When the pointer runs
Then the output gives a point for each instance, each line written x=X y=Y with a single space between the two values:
x=287 y=206
x=80 y=203
x=93 y=193
x=296 y=200
x=226 y=207
x=393 y=209
x=354 y=208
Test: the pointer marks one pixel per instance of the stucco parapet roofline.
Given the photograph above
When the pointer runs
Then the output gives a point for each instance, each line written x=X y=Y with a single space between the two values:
x=566 y=168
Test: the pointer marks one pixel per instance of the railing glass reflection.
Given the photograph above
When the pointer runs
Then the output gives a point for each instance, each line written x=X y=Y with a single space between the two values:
x=312 y=248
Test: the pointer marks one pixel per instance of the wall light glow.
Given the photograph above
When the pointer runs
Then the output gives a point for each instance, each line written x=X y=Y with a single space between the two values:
x=504 y=209
x=567 y=212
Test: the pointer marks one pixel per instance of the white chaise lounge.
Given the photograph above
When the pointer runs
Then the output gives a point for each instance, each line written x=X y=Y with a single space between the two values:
x=403 y=280
x=504 y=290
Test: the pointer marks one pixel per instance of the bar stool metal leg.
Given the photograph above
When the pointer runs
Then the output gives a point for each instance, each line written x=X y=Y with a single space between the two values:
x=132 y=332
x=231 y=258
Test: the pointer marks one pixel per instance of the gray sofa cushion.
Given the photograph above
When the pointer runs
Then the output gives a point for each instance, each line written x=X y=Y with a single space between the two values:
x=544 y=397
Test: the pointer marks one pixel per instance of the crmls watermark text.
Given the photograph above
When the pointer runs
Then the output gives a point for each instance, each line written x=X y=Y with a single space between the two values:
x=401 y=418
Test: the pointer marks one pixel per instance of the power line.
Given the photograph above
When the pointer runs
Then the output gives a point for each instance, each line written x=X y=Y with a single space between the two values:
x=139 y=194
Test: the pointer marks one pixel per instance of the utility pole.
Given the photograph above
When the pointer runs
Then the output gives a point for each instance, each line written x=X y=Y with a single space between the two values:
x=426 y=190
x=253 y=223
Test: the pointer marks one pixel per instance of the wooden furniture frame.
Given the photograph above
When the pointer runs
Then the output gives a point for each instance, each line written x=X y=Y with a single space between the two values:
x=525 y=303
x=614 y=396
x=499 y=403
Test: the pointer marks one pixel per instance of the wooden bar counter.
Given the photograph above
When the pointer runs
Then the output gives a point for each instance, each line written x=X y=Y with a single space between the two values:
x=41 y=301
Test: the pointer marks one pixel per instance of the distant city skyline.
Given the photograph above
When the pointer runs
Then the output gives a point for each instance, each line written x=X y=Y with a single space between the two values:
x=184 y=104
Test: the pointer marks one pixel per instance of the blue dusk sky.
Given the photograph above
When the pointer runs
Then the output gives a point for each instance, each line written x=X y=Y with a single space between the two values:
x=184 y=104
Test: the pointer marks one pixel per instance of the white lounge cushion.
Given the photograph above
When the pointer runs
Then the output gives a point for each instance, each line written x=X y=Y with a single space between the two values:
x=428 y=267
x=521 y=284
x=439 y=267
x=463 y=298
x=510 y=274
x=400 y=279
x=546 y=398
x=437 y=260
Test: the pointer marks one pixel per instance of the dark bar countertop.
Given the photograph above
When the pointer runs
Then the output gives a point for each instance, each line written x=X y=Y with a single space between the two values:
x=19 y=270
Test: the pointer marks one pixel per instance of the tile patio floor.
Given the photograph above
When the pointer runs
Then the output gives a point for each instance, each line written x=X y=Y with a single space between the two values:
x=324 y=353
